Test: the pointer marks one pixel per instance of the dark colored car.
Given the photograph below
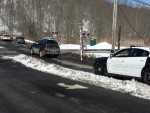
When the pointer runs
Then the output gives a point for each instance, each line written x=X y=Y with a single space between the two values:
x=20 y=40
x=45 y=47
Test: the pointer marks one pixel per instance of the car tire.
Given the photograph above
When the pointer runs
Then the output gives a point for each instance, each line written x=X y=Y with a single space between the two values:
x=146 y=76
x=98 y=68
x=41 y=53
x=31 y=51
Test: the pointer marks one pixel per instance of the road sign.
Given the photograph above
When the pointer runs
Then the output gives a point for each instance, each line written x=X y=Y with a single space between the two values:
x=85 y=25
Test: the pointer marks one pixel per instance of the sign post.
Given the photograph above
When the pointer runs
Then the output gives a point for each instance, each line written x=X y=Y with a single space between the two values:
x=84 y=28
x=81 y=41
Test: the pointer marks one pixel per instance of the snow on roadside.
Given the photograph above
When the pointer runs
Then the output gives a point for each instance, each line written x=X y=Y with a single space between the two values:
x=1 y=47
x=102 y=45
x=125 y=86
x=69 y=46
x=29 y=41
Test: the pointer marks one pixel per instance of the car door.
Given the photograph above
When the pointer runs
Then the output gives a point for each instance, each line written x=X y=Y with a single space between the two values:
x=35 y=47
x=135 y=63
x=116 y=63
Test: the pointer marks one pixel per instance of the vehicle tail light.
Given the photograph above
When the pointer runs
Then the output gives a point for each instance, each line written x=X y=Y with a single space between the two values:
x=58 y=49
x=46 y=48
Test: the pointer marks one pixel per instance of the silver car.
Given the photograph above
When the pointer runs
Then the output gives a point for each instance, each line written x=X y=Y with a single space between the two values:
x=5 y=37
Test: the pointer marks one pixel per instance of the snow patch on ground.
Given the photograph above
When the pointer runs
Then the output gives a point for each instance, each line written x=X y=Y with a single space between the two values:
x=125 y=86
x=102 y=45
x=29 y=41
x=76 y=86
x=69 y=46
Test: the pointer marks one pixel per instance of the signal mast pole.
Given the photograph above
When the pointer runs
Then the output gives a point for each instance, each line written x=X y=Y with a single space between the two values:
x=81 y=41
x=114 y=26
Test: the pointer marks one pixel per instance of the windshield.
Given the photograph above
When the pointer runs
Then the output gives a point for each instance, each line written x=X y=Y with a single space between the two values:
x=6 y=35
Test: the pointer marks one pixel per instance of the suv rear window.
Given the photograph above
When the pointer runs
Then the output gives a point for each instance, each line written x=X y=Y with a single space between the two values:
x=51 y=43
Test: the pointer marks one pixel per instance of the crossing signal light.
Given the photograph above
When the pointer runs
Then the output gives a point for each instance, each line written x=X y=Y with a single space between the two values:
x=88 y=34
x=83 y=35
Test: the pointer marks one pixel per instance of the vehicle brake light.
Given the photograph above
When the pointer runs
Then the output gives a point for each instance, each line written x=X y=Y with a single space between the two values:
x=58 y=49
x=46 y=48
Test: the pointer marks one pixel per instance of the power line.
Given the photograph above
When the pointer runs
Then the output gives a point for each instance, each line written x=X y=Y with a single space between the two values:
x=141 y=2
x=130 y=24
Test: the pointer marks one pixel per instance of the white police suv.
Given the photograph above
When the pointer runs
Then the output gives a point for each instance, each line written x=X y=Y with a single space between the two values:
x=132 y=62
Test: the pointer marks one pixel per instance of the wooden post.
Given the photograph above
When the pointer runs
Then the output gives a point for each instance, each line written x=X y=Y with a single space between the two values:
x=119 y=38
x=114 y=25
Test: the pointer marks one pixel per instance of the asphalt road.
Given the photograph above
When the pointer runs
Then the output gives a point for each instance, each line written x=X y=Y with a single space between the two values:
x=24 y=90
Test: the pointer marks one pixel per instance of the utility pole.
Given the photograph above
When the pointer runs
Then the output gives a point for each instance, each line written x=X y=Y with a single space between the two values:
x=119 y=37
x=114 y=26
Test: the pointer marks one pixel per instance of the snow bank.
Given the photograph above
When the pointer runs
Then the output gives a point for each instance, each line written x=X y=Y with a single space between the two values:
x=102 y=45
x=29 y=41
x=1 y=47
x=125 y=86
x=69 y=46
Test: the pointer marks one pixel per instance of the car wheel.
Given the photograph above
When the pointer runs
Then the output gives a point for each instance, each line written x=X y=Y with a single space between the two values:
x=98 y=68
x=31 y=51
x=146 y=76
x=41 y=53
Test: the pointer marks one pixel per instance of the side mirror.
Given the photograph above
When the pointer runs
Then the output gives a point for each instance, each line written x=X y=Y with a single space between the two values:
x=111 y=55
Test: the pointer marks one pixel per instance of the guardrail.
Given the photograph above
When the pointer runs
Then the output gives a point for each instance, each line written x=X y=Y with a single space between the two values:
x=97 y=51
x=88 y=50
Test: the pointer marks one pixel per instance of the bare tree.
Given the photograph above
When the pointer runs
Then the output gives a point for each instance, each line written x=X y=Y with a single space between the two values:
x=37 y=18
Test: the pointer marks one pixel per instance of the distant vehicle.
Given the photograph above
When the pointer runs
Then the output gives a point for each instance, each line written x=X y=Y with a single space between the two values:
x=19 y=40
x=44 y=47
x=1 y=37
x=131 y=62
x=5 y=37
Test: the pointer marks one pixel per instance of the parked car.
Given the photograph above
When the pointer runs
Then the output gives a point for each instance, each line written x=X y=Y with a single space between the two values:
x=1 y=37
x=131 y=62
x=5 y=37
x=20 y=40
x=46 y=46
